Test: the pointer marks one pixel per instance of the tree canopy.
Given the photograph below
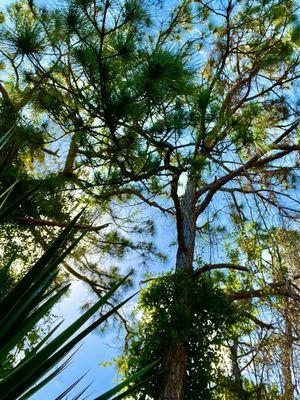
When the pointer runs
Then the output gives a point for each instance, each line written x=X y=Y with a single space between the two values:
x=188 y=108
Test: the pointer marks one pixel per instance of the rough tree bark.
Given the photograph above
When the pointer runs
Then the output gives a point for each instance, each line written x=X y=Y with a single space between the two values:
x=186 y=229
x=238 y=383
x=287 y=354
x=175 y=364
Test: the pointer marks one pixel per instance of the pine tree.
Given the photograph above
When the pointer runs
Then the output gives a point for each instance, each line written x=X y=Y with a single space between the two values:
x=192 y=112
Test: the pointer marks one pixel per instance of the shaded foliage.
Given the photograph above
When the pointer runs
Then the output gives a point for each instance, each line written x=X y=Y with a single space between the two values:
x=202 y=322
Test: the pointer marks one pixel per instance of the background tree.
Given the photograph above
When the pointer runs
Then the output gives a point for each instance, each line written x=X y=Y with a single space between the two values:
x=263 y=352
x=33 y=161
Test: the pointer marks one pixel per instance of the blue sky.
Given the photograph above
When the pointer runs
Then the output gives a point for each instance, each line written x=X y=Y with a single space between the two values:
x=97 y=347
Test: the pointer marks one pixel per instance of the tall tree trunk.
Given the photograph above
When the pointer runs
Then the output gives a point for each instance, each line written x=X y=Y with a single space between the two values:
x=186 y=229
x=238 y=382
x=70 y=159
x=174 y=372
x=287 y=354
x=175 y=363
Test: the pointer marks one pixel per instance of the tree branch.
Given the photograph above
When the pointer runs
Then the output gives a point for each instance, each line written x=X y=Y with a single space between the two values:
x=258 y=322
x=271 y=289
x=44 y=222
x=254 y=161
x=5 y=94
x=210 y=267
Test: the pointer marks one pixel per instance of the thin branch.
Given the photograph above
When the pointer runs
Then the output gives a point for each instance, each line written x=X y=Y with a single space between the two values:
x=254 y=162
x=274 y=288
x=258 y=322
x=44 y=222
x=210 y=267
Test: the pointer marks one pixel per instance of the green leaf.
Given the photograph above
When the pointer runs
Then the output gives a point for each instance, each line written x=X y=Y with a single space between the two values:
x=20 y=310
x=68 y=390
x=30 y=322
x=5 y=268
x=132 y=389
x=295 y=34
x=6 y=194
x=48 y=379
x=4 y=140
x=36 y=272
x=7 y=211
x=25 y=374
x=41 y=343
x=123 y=385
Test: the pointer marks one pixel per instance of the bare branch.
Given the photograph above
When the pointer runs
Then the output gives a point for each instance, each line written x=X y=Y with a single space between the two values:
x=43 y=222
x=258 y=322
x=276 y=288
x=210 y=267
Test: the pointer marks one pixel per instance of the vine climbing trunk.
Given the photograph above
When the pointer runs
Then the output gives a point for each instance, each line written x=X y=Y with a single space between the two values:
x=175 y=363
